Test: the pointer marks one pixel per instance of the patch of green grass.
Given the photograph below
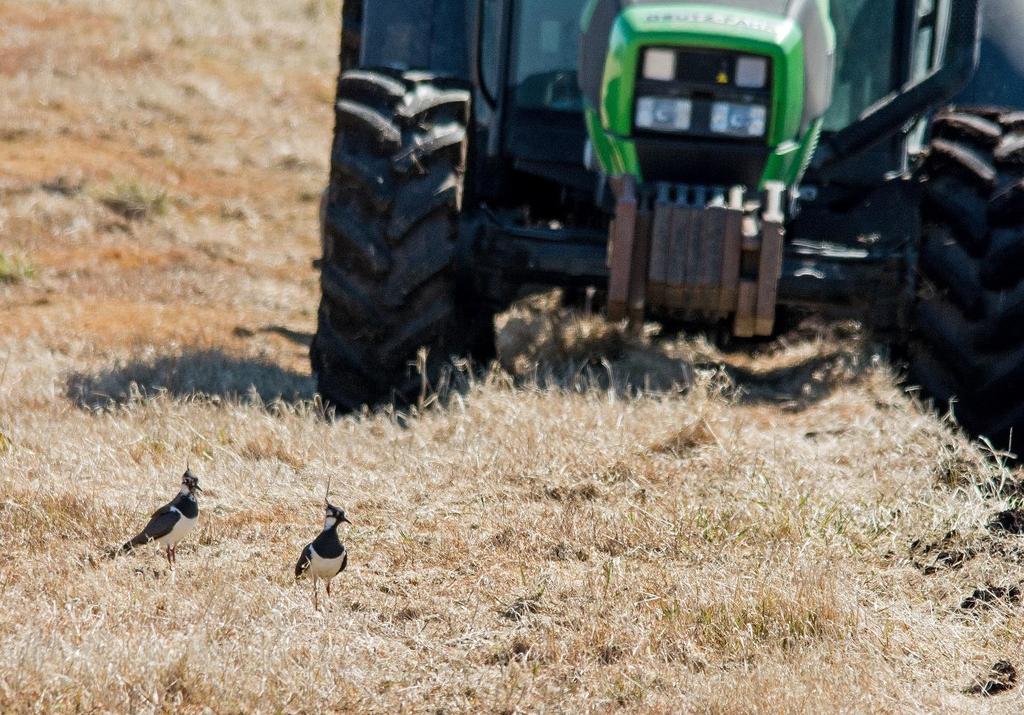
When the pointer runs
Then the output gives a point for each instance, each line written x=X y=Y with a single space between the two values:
x=15 y=269
x=134 y=200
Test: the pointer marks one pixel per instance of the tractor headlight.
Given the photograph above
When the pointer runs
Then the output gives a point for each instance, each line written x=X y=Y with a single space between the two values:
x=751 y=72
x=660 y=65
x=739 y=120
x=664 y=114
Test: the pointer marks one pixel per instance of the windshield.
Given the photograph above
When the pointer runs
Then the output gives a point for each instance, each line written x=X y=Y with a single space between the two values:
x=547 y=41
x=547 y=46
x=865 y=39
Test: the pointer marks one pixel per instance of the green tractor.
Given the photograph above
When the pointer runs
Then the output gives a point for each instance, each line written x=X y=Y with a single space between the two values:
x=696 y=163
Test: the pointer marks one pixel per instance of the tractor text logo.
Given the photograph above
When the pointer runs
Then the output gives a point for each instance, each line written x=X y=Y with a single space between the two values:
x=714 y=18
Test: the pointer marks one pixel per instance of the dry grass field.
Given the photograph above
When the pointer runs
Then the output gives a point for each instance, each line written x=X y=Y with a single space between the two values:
x=572 y=531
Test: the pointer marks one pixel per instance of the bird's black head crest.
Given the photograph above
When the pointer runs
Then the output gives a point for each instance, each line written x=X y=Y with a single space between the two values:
x=190 y=481
x=335 y=513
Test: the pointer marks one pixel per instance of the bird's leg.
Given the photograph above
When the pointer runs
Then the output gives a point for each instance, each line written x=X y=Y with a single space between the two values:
x=316 y=596
x=174 y=554
x=328 y=587
x=170 y=562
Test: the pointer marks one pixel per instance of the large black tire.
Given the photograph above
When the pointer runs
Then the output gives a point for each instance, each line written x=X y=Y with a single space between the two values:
x=389 y=228
x=970 y=318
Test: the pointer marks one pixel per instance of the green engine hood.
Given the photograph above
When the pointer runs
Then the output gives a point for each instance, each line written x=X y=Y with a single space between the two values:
x=799 y=94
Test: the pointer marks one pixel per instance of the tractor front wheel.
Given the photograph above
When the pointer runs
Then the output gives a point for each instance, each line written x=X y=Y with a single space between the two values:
x=389 y=222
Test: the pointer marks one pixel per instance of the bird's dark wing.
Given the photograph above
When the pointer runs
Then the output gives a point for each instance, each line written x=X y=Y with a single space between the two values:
x=160 y=524
x=344 y=561
x=304 y=560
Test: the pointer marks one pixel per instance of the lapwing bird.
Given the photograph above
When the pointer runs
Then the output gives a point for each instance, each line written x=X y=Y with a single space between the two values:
x=325 y=557
x=173 y=521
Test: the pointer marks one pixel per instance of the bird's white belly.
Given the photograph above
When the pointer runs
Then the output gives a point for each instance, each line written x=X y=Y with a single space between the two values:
x=320 y=567
x=179 y=532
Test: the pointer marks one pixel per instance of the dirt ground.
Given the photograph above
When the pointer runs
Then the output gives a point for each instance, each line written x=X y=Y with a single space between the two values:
x=593 y=524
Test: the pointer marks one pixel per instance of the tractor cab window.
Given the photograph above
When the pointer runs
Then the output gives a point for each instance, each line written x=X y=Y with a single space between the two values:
x=865 y=61
x=545 y=54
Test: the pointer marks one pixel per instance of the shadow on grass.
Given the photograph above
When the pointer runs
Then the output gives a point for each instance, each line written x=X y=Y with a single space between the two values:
x=570 y=351
x=565 y=349
x=547 y=348
x=203 y=374
x=794 y=387
x=294 y=336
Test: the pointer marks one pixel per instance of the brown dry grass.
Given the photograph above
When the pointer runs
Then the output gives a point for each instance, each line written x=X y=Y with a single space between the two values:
x=572 y=532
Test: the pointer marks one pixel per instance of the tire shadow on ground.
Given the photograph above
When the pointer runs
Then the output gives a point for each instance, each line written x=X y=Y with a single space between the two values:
x=297 y=337
x=209 y=374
